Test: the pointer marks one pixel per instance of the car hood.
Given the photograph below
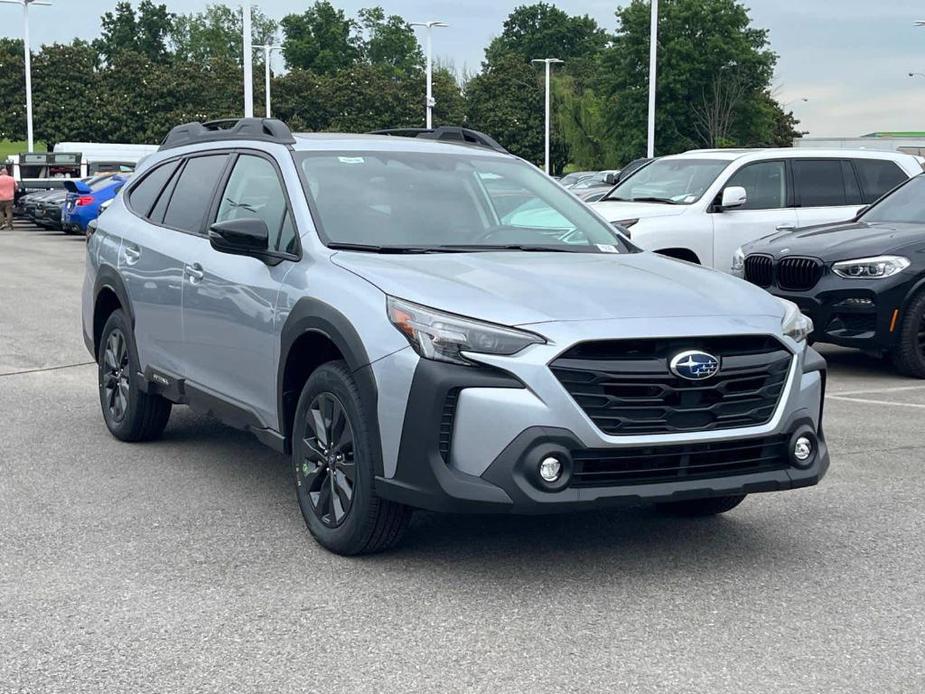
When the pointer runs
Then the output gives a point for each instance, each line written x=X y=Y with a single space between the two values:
x=615 y=211
x=844 y=241
x=518 y=288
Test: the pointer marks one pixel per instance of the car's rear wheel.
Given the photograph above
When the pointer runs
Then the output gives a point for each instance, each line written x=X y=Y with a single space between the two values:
x=710 y=506
x=909 y=351
x=333 y=466
x=130 y=414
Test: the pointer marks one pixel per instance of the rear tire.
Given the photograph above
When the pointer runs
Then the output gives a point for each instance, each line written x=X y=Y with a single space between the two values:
x=332 y=464
x=909 y=352
x=710 y=506
x=129 y=413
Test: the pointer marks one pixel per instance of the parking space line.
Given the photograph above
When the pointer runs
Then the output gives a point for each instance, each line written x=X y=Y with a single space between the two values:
x=866 y=401
x=887 y=389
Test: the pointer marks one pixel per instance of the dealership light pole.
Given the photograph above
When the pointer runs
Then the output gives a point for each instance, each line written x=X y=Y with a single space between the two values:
x=28 y=56
x=248 y=60
x=653 y=53
x=430 y=98
x=267 y=51
x=548 y=62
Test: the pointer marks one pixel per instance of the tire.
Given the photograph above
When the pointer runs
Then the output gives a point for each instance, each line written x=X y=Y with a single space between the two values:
x=909 y=352
x=330 y=432
x=711 y=506
x=129 y=413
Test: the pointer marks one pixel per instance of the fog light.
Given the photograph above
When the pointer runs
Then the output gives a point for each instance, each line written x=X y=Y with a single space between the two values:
x=802 y=449
x=550 y=469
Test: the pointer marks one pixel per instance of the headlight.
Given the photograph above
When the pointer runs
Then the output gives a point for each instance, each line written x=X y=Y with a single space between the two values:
x=443 y=336
x=794 y=324
x=738 y=263
x=871 y=268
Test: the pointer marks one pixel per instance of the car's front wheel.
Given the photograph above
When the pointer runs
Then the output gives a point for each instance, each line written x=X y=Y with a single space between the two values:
x=130 y=414
x=333 y=467
x=909 y=352
x=710 y=506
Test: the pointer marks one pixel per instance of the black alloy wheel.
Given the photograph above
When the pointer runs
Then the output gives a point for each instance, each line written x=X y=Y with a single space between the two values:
x=116 y=372
x=327 y=472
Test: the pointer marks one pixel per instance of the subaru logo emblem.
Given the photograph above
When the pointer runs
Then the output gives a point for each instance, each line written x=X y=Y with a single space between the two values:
x=694 y=365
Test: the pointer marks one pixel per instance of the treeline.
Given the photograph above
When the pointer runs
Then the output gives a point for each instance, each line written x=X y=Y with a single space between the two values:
x=151 y=69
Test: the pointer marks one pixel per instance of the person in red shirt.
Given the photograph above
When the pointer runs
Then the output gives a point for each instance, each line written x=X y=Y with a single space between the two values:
x=7 y=194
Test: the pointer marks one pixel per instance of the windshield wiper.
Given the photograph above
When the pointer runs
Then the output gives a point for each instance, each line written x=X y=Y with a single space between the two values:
x=370 y=248
x=509 y=247
x=667 y=201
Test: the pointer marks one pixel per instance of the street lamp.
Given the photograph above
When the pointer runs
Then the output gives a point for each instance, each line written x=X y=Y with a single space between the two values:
x=28 y=53
x=267 y=50
x=430 y=99
x=549 y=62
x=653 y=53
x=248 y=60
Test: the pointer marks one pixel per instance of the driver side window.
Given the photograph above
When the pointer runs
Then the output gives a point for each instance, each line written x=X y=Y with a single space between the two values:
x=765 y=184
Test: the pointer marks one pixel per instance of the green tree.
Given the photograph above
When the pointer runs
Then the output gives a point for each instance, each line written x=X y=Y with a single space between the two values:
x=390 y=41
x=714 y=69
x=65 y=107
x=216 y=33
x=322 y=39
x=145 y=32
x=12 y=90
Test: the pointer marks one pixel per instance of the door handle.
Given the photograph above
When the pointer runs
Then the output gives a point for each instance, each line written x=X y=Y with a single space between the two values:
x=132 y=254
x=195 y=273
x=786 y=227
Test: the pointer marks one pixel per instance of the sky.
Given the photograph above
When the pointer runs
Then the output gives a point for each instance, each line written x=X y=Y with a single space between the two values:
x=849 y=59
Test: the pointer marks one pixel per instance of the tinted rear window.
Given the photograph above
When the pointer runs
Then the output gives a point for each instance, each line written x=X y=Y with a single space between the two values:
x=819 y=182
x=146 y=193
x=193 y=193
x=878 y=177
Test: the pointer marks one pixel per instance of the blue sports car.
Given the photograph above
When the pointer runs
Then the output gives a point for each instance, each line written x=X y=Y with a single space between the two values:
x=84 y=199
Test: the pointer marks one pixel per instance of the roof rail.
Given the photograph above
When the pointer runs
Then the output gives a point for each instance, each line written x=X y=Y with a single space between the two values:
x=446 y=133
x=262 y=129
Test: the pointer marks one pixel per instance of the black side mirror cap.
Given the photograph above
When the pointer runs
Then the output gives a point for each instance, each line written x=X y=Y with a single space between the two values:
x=248 y=236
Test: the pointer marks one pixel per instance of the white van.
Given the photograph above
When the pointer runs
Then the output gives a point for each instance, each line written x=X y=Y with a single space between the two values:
x=702 y=205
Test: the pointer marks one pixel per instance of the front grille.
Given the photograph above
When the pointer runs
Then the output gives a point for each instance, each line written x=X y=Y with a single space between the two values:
x=654 y=464
x=759 y=269
x=447 y=419
x=626 y=387
x=798 y=274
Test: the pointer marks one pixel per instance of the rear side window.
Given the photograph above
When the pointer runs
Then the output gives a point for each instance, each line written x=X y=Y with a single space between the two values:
x=819 y=182
x=765 y=185
x=877 y=177
x=145 y=194
x=192 y=195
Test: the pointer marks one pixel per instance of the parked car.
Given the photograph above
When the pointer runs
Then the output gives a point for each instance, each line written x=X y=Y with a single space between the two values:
x=84 y=200
x=702 y=205
x=47 y=210
x=862 y=282
x=601 y=179
x=359 y=303
x=570 y=179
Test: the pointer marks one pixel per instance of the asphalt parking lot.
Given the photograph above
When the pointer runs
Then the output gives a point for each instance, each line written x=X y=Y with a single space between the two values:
x=184 y=565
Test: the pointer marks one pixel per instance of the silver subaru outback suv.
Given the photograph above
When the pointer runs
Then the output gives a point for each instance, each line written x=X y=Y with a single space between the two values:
x=430 y=322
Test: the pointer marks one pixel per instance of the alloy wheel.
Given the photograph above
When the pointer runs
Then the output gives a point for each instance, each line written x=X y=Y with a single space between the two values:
x=327 y=470
x=116 y=373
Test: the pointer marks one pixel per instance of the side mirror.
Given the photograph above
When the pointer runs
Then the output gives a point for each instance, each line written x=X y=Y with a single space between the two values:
x=733 y=197
x=611 y=179
x=240 y=237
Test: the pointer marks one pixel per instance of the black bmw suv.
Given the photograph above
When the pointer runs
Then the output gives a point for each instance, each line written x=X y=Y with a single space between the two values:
x=862 y=281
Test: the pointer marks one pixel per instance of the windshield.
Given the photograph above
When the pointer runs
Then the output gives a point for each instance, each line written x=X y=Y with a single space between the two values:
x=671 y=181
x=454 y=201
x=905 y=204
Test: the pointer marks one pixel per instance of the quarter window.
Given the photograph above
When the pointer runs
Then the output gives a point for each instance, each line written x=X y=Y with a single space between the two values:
x=819 y=182
x=765 y=184
x=193 y=192
x=254 y=191
x=145 y=194
x=877 y=177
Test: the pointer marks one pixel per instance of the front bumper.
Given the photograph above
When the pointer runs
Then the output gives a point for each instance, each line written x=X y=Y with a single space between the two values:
x=470 y=439
x=853 y=313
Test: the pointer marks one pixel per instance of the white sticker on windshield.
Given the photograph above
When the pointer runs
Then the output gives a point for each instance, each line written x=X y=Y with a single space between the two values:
x=607 y=248
x=351 y=160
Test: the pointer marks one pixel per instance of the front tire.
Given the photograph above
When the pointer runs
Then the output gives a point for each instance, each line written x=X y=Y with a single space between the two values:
x=909 y=352
x=332 y=459
x=129 y=413
x=710 y=506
